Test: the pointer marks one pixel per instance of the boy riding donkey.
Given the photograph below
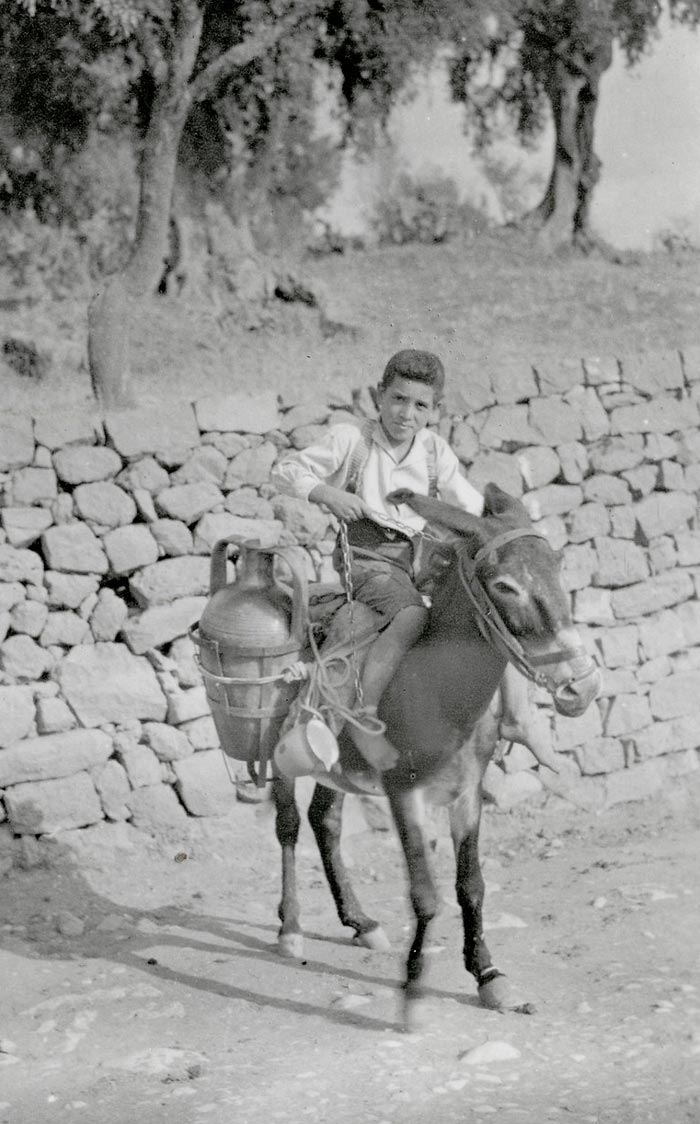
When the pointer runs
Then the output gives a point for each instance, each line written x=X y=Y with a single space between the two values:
x=351 y=472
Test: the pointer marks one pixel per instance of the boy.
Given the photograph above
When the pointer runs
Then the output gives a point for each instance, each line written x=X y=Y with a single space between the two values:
x=351 y=472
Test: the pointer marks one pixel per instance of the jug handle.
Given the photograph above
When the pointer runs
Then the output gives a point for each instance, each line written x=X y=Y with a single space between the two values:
x=217 y=566
x=300 y=591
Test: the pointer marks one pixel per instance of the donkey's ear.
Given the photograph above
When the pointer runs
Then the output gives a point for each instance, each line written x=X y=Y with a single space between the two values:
x=498 y=502
x=436 y=512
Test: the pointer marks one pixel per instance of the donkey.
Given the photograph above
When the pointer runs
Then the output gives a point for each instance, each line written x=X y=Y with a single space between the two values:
x=497 y=598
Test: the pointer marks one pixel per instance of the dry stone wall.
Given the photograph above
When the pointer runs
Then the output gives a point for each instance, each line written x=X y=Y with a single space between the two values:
x=108 y=524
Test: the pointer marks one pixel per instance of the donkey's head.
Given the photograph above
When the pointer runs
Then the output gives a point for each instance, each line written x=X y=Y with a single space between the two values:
x=509 y=575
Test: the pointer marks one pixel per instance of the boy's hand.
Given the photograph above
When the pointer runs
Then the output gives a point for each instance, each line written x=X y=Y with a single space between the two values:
x=344 y=505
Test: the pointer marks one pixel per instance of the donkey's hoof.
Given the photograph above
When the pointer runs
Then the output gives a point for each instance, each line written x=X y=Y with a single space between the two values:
x=375 y=938
x=496 y=993
x=291 y=945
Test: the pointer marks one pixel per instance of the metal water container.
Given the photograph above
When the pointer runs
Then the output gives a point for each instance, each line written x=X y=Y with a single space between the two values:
x=251 y=630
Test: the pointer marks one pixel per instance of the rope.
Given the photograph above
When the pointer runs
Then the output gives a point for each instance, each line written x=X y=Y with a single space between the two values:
x=322 y=693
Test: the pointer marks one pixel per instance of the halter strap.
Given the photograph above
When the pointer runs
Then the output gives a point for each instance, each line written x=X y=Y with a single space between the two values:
x=490 y=620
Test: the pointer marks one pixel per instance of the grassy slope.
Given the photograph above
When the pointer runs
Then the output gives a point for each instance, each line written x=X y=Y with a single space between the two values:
x=478 y=301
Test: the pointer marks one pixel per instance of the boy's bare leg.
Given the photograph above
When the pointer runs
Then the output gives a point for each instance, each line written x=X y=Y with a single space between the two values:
x=381 y=665
x=520 y=721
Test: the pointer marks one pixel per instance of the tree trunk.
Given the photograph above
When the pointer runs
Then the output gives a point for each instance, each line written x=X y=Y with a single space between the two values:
x=572 y=85
x=110 y=311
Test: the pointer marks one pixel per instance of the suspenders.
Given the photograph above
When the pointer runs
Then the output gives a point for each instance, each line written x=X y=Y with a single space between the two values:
x=360 y=453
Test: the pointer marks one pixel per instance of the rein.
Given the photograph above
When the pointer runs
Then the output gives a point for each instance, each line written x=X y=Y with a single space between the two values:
x=491 y=624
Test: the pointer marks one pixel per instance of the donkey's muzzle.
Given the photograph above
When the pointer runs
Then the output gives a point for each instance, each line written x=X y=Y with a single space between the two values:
x=572 y=697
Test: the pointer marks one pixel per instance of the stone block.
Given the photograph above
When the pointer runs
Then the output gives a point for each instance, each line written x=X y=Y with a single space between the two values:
x=129 y=548
x=653 y=371
x=306 y=521
x=54 y=755
x=140 y=763
x=623 y=524
x=554 y=530
x=570 y=732
x=603 y=755
x=251 y=467
x=464 y=442
x=671 y=477
x=66 y=427
x=588 y=521
x=41 y=807
x=106 y=683
x=513 y=381
x=306 y=435
x=174 y=537
x=653 y=670
x=619 y=563
x=539 y=465
x=636 y=783
x=75 y=549
x=221 y=525
x=680 y=764
x=593 y=606
x=662 y=554
x=170 y=579
x=642 y=480
x=675 y=696
x=626 y=713
x=554 y=420
x=618 y=681
x=204 y=464
x=505 y=425
x=615 y=454
x=113 y=789
x=201 y=732
x=663 y=513
x=66 y=628
x=11 y=594
x=308 y=413
x=468 y=394
x=16 y=441
x=54 y=716
x=23 y=660
x=167 y=742
x=247 y=503
x=85 y=464
x=108 y=615
x=601 y=370
x=578 y=566
x=590 y=412
x=24 y=525
x=553 y=499
x=29 y=618
x=156 y=809
x=167 y=431
x=68 y=591
x=554 y=376
x=574 y=462
x=16 y=715
x=203 y=784
x=496 y=468
x=183 y=706
x=31 y=486
x=188 y=502
x=160 y=625
x=143 y=475
x=104 y=504
x=239 y=413
x=660 y=592
x=662 y=633
x=606 y=489
x=689 y=616
x=620 y=646
x=660 y=415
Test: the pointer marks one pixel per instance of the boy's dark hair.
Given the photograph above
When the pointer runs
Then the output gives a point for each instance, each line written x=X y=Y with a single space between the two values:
x=421 y=366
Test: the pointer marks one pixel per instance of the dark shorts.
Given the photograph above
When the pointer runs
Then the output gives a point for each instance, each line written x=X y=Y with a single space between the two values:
x=382 y=570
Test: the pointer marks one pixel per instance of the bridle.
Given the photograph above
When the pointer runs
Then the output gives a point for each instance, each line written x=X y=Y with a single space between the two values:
x=495 y=631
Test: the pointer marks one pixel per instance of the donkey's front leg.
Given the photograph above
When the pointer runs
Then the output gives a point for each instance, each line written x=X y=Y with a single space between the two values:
x=290 y=939
x=408 y=811
x=494 y=988
x=325 y=817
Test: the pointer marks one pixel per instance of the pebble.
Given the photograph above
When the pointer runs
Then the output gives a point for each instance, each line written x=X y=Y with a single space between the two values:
x=491 y=1051
x=69 y=925
x=7 y=1046
x=350 y=1002
x=506 y=921
x=600 y=903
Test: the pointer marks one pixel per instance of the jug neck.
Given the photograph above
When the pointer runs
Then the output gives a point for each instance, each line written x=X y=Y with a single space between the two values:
x=255 y=570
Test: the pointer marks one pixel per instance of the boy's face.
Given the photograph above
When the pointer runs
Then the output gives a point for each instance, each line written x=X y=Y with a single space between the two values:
x=405 y=406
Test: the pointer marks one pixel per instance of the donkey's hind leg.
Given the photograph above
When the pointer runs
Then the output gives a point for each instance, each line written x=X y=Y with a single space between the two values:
x=325 y=817
x=290 y=939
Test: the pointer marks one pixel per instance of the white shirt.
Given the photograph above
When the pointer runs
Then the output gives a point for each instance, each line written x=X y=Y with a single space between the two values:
x=330 y=461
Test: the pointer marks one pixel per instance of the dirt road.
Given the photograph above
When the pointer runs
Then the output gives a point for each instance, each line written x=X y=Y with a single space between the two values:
x=141 y=980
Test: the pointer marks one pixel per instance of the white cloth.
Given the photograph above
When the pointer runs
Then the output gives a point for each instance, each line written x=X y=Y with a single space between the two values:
x=330 y=461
